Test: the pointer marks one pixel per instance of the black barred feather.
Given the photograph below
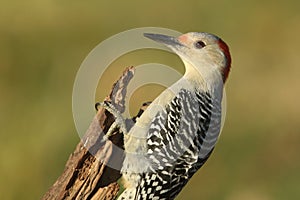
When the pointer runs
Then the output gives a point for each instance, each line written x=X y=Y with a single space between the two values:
x=174 y=142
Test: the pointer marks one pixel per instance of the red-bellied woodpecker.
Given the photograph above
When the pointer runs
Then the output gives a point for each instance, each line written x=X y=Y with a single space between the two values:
x=178 y=131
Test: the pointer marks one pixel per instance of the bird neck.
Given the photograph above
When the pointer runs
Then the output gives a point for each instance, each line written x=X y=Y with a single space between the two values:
x=203 y=78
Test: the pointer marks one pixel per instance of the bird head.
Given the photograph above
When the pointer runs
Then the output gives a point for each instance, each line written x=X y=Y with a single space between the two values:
x=207 y=53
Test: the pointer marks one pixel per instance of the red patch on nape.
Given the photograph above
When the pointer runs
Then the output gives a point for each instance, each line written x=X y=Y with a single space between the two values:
x=225 y=49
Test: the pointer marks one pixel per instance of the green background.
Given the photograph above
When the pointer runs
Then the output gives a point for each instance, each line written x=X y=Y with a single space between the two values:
x=42 y=44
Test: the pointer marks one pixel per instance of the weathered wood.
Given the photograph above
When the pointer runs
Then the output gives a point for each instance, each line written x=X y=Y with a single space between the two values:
x=85 y=175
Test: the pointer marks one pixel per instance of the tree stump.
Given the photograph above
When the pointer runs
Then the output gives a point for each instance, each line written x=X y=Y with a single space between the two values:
x=85 y=175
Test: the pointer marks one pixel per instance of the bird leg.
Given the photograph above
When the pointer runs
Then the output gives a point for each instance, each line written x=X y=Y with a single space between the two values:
x=119 y=120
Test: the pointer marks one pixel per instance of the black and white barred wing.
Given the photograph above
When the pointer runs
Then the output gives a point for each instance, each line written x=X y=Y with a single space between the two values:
x=178 y=143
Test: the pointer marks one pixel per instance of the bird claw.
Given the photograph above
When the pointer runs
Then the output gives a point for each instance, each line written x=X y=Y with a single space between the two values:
x=119 y=120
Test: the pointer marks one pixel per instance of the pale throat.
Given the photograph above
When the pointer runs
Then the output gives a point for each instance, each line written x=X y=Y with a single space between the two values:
x=204 y=77
x=192 y=72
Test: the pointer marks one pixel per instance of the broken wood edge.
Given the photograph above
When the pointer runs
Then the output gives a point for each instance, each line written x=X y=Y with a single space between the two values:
x=83 y=172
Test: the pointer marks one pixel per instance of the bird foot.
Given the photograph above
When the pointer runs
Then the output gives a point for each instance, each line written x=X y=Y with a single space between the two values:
x=119 y=122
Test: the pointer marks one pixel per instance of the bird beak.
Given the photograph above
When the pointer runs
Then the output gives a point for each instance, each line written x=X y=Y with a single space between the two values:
x=169 y=41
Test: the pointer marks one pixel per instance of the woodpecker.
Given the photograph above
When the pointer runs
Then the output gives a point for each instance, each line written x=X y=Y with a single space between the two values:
x=178 y=131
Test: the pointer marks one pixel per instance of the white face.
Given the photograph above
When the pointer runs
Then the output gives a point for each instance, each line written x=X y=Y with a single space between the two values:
x=201 y=49
x=205 y=52
x=191 y=39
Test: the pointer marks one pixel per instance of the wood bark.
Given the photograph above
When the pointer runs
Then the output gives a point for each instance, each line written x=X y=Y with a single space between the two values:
x=85 y=175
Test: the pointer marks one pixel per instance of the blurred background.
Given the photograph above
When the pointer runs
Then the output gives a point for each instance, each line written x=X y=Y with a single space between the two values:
x=43 y=43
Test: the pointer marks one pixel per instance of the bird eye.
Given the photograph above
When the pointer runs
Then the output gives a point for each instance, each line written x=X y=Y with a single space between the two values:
x=199 y=44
